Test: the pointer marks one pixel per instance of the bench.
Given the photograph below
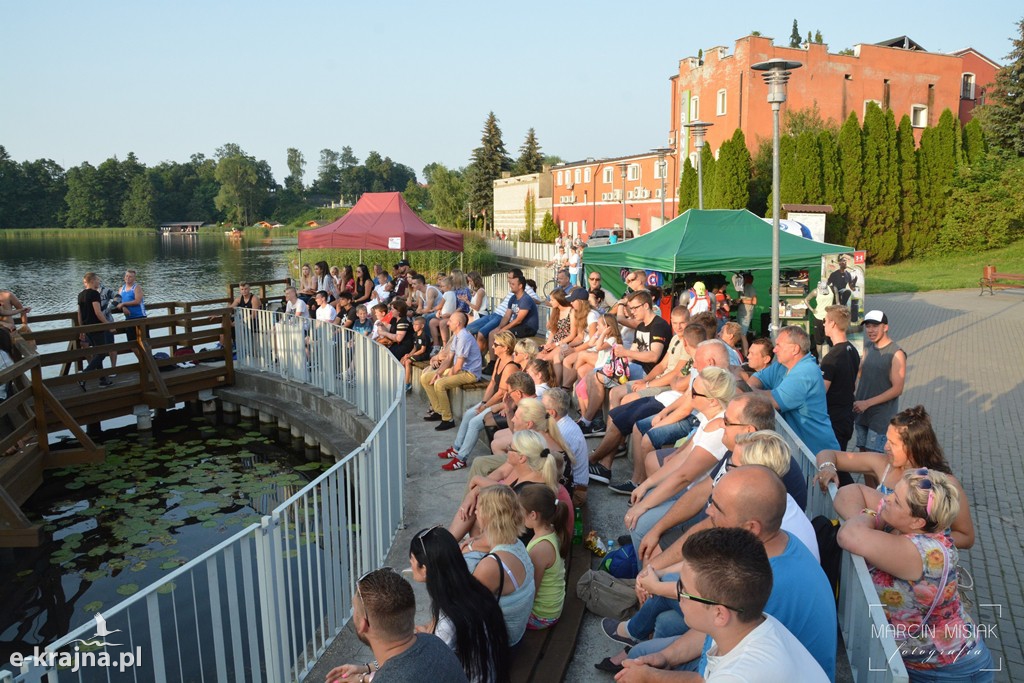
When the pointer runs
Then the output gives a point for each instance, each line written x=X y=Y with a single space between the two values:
x=990 y=279
x=544 y=656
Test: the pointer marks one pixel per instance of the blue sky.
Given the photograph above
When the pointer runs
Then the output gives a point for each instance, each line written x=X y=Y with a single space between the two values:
x=81 y=81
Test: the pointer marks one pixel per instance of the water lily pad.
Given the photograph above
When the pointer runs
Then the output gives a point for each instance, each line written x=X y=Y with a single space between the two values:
x=138 y=566
x=25 y=572
x=308 y=467
x=95 y=575
x=166 y=588
x=128 y=589
x=75 y=485
x=210 y=523
x=173 y=564
x=93 y=606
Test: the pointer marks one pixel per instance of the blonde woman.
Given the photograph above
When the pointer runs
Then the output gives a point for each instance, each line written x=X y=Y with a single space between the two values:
x=506 y=570
x=529 y=460
x=711 y=392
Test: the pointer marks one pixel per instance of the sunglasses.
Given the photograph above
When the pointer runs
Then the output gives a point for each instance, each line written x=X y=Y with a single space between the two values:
x=420 y=535
x=713 y=503
x=680 y=594
x=359 y=588
x=735 y=424
x=695 y=393
x=928 y=486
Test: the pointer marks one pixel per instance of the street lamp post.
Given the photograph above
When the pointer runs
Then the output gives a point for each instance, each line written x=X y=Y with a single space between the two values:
x=663 y=167
x=622 y=171
x=776 y=74
x=698 y=128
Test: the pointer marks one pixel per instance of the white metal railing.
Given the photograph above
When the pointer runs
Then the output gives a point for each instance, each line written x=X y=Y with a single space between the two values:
x=872 y=651
x=533 y=251
x=264 y=604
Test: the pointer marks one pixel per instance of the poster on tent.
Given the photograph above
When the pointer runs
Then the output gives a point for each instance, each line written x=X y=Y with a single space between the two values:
x=845 y=272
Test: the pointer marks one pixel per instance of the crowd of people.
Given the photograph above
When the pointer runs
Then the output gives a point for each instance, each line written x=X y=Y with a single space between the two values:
x=729 y=572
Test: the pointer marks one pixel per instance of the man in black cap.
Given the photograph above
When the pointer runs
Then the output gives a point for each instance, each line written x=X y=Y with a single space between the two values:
x=844 y=282
x=401 y=279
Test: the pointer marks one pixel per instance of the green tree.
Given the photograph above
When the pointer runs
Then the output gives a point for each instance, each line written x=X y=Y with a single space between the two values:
x=489 y=160
x=1002 y=115
x=688 y=187
x=549 y=231
x=910 y=237
x=808 y=157
x=732 y=174
x=447 y=195
x=85 y=206
x=530 y=213
x=832 y=187
x=530 y=159
x=939 y=160
x=328 y=179
x=975 y=147
x=137 y=210
x=851 y=162
x=818 y=38
x=986 y=206
x=240 y=195
x=880 y=186
x=796 y=121
x=761 y=179
x=791 y=176
x=794 y=36
x=708 y=170
x=418 y=198
x=296 y=170
x=347 y=158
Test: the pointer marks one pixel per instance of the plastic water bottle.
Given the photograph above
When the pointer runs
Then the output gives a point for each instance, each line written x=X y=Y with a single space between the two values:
x=577 y=530
x=611 y=545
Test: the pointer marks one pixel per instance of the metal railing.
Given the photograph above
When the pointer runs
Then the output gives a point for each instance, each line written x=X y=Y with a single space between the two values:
x=265 y=604
x=872 y=651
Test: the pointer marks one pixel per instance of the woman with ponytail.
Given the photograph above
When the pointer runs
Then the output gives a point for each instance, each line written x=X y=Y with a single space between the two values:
x=545 y=516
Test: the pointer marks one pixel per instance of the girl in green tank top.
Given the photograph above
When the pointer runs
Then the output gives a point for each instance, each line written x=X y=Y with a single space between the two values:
x=545 y=516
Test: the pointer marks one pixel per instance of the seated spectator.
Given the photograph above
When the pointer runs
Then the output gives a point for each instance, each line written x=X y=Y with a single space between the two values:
x=585 y=318
x=463 y=613
x=448 y=306
x=910 y=444
x=325 y=313
x=752 y=498
x=420 y=351
x=910 y=553
x=347 y=313
x=541 y=373
x=730 y=334
x=520 y=387
x=557 y=403
x=759 y=356
x=399 y=334
x=521 y=318
x=546 y=517
x=723 y=589
x=362 y=324
x=676 y=361
x=592 y=357
x=711 y=392
x=529 y=460
x=307 y=284
x=486 y=324
x=530 y=414
x=506 y=570
x=384 y=617
x=560 y=323
x=462 y=366
x=493 y=400
x=379 y=311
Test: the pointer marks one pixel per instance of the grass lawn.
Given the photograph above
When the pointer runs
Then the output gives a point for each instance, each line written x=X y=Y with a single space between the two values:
x=943 y=272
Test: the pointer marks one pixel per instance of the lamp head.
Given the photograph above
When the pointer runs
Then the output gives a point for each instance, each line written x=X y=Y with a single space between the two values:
x=775 y=73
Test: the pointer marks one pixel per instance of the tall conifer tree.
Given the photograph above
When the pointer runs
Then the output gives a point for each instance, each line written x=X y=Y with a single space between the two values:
x=489 y=160
x=851 y=161
x=732 y=174
x=910 y=236
x=688 y=187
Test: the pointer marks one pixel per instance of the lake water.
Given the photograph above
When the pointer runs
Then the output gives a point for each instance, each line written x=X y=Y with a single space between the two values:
x=45 y=271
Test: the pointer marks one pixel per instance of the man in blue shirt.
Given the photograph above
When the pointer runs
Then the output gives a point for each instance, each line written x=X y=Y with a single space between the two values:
x=521 y=318
x=461 y=366
x=793 y=383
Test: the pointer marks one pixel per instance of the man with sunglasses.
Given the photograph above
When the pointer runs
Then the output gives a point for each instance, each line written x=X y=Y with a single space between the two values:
x=723 y=591
x=752 y=498
x=383 y=616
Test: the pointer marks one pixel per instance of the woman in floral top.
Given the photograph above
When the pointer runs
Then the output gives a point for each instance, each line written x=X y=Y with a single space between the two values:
x=912 y=559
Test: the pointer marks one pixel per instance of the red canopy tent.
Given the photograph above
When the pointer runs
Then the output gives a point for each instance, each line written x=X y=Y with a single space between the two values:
x=381 y=220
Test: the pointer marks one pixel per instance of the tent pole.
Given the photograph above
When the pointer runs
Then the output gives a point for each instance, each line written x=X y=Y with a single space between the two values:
x=461 y=267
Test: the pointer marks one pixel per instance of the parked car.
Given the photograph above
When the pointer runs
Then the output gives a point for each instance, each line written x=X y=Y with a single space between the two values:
x=603 y=236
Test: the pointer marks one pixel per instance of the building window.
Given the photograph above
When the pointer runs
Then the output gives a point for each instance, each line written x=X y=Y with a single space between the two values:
x=720 y=108
x=694 y=108
x=967 y=87
x=866 y=103
x=659 y=168
x=633 y=172
x=919 y=116
x=609 y=176
x=578 y=174
x=586 y=174
x=558 y=179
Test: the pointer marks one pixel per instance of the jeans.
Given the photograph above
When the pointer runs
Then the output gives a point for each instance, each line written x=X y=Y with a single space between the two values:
x=648 y=519
x=484 y=325
x=659 y=617
x=869 y=440
x=667 y=435
x=96 y=339
x=469 y=431
x=629 y=414
x=975 y=666
x=636 y=371
x=649 y=647
x=745 y=315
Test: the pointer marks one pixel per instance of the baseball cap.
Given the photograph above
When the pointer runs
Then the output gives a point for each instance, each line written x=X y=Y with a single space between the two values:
x=401 y=263
x=578 y=294
x=699 y=289
x=876 y=317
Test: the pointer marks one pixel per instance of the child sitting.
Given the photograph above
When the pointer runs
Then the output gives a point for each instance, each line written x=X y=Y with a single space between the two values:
x=379 y=311
x=420 y=349
x=362 y=325
x=546 y=516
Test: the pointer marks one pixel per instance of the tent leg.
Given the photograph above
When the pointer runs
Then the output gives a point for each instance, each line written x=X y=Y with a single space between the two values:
x=461 y=267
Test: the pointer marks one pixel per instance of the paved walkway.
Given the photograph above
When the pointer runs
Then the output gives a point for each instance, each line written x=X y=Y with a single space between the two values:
x=966 y=365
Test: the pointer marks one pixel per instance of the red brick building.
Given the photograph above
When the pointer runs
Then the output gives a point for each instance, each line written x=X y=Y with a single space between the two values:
x=899 y=75
x=591 y=194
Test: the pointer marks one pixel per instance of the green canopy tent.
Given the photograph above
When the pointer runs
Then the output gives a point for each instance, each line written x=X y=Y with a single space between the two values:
x=708 y=241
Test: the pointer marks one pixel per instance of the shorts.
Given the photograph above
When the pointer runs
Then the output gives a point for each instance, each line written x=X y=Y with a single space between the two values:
x=520 y=332
x=869 y=440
